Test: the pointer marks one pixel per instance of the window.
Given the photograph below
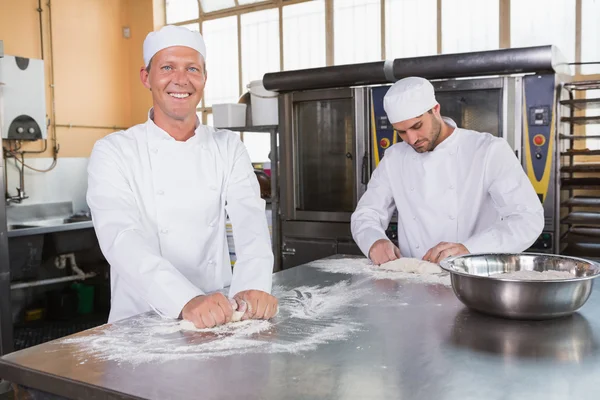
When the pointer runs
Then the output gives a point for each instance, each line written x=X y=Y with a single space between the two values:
x=407 y=20
x=475 y=30
x=590 y=36
x=181 y=10
x=356 y=31
x=215 y=5
x=304 y=35
x=260 y=44
x=193 y=27
x=222 y=67
x=543 y=22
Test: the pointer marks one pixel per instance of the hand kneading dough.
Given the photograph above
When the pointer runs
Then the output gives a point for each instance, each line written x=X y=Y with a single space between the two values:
x=411 y=265
x=189 y=325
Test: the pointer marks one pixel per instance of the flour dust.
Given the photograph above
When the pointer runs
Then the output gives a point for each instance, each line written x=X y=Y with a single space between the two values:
x=308 y=316
x=363 y=266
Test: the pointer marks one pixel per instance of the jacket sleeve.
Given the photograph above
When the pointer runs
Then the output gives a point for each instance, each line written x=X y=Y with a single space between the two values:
x=521 y=213
x=374 y=210
x=253 y=268
x=129 y=248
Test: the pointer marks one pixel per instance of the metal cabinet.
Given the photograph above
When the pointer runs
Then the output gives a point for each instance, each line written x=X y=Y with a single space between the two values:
x=301 y=251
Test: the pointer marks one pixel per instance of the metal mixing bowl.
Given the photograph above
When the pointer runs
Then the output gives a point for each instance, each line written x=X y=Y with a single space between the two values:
x=478 y=283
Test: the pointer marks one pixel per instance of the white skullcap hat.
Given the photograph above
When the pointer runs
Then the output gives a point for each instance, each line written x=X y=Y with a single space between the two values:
x=408 y=98
x=171 y=35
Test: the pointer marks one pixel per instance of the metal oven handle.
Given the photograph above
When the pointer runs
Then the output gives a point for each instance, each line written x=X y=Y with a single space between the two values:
x=365 y=170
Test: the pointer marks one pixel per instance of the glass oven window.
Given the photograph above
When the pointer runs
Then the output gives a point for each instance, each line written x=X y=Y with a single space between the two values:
x=478 y=110
x=325 y=156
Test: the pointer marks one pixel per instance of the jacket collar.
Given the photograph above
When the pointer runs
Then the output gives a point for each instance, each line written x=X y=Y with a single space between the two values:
x=153 y=132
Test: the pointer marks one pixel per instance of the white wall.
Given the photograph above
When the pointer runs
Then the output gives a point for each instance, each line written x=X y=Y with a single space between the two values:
x=66 y=182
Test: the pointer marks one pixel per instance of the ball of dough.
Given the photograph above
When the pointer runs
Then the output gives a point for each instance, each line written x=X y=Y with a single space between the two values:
x=411 y=265
x=237 y=316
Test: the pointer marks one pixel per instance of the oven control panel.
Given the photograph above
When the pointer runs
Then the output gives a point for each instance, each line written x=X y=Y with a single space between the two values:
x=383 y=135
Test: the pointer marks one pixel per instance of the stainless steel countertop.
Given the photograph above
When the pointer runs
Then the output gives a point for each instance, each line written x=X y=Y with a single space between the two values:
x=416 y=341
x=51 y=228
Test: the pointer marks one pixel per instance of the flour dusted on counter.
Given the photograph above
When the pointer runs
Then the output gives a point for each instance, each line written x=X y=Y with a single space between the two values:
x=306 y=303
x=536 y=275
x=245 y=328
x=411 y=265
x=363 y=266
x=308 y=316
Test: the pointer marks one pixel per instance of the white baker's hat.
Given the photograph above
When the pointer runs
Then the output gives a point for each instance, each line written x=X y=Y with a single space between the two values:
x=171 y=35
x=408 y=98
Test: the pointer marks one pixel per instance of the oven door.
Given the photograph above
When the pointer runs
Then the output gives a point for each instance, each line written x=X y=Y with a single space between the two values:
x=324 y=156
x=490 y=105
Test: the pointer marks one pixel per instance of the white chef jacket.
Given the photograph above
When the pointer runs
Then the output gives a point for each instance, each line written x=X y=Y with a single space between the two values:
x=159 y=210
x=470 y=189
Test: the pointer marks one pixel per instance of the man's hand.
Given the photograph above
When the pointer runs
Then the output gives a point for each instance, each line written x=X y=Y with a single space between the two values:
x=260 y=305
x=444 y=250
x=208 y=311
x=383 y=251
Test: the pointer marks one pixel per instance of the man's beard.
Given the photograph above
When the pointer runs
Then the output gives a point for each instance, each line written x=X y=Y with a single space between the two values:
x=436 y=129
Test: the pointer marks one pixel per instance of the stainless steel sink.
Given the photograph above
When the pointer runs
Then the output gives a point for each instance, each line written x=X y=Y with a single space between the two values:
x=13 y=227
x=36 y=224
x=49 y=224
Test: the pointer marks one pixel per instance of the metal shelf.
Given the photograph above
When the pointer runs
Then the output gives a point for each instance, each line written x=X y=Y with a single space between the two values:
x=578 y=137
x=582 y=104
x=577 y=235
x=582 y=201
x=583 y=250
x=580 y=152
x=584 y=167
x=582 y=218
x=583 y=85
x=580 y=183
x=38 y=332
x=582 y=238
x=587 y=231
x=572 y=238
x=582 y=120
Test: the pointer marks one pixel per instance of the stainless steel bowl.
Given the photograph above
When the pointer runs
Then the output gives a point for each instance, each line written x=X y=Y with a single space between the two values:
x=478 y=283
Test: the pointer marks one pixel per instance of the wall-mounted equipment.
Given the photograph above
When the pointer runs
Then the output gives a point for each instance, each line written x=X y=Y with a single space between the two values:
x=22 y=98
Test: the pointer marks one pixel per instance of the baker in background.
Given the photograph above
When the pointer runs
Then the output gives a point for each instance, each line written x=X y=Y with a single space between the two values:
x=457 y=191
x=159 y=193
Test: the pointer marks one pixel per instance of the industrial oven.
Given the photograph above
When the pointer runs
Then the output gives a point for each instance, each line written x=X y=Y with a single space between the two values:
x=332 y=138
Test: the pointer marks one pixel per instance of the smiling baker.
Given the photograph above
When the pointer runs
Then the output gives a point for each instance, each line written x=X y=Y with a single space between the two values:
x=159 y=193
